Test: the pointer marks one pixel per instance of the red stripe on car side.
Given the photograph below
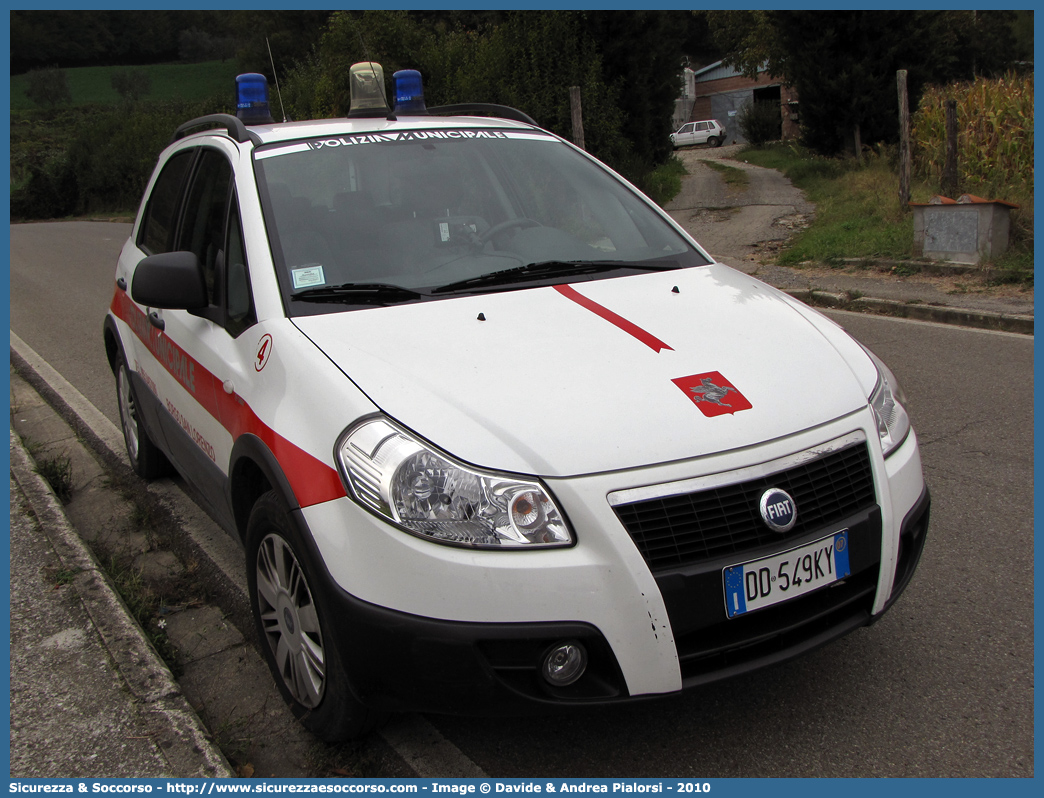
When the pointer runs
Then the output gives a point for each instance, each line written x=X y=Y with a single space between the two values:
x=312 y=480
x=628 y=327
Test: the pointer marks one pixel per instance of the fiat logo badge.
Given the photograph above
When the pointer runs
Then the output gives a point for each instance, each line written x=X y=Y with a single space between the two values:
x=778 y=510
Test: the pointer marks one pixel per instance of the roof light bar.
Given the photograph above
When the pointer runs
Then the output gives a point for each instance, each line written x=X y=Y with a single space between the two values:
x=252 y=99
x=366 y=80
x=409 y=93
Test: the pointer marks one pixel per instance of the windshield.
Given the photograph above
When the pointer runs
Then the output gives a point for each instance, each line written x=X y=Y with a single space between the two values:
x=434 y=210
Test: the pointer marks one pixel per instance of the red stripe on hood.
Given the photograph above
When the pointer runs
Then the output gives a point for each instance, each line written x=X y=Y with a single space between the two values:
x=628 y=327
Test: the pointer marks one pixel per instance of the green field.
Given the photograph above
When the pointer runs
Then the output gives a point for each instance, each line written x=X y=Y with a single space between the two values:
x=92 y=86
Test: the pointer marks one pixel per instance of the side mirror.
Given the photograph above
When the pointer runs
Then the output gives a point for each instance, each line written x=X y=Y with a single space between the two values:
x=172 y=280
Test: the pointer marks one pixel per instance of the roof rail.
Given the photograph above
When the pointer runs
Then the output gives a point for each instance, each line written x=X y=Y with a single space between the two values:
x=232 y=125
x=485 y=109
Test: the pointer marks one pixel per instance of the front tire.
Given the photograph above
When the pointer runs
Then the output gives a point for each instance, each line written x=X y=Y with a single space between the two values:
x=290 y=618
x=146 y=458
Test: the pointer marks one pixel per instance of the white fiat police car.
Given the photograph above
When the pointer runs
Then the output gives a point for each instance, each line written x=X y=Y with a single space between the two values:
x=495 y=432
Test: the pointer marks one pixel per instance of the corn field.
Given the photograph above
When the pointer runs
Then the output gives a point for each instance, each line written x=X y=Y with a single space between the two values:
x=994 y=132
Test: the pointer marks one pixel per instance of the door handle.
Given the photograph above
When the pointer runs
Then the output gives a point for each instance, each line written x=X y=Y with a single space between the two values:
x=156 y=320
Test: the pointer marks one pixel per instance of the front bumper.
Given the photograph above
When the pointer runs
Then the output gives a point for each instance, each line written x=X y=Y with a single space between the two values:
x=402 y=662
x=448 y=630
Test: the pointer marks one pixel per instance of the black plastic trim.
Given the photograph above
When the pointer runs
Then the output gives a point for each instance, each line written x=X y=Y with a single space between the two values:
x=171 y=280
x=251 y=449
x=912 y=535
x=484 y=109
x=230 y=124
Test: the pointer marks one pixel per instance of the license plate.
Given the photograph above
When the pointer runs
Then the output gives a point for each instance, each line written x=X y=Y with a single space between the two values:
x=761 y=583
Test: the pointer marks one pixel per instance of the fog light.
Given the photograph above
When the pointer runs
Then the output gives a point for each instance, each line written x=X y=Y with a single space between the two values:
x=564 y=664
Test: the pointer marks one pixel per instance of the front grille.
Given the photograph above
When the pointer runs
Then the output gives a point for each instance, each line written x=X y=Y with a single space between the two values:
x=688 y=529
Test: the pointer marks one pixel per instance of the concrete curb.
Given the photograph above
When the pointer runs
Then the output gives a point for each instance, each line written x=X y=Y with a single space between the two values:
x=171 y=721
x=919 y=312
x=889 y=265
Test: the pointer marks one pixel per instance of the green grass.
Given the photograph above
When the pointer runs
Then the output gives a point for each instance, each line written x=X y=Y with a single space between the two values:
x=736 y=178
x=144 y=604
x=57 y=471
x=92 y=85
x=664 y=182
x=858 y=214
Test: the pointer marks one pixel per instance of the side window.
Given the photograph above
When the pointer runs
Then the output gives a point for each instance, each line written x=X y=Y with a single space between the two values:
x=203 y=230
x=157 y=228
x=701 y=125
x=240 y=308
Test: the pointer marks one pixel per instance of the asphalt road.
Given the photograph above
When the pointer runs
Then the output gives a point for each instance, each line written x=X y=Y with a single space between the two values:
x=942 y=686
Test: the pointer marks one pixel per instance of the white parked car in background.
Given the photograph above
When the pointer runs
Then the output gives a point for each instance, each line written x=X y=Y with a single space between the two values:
x=707 y=132
x=495 y=432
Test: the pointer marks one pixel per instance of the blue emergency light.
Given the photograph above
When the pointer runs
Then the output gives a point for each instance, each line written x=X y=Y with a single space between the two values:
x=409 y=93
x=252 y=99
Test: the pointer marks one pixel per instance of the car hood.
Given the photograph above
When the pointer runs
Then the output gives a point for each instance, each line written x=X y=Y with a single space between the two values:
x=601 y=375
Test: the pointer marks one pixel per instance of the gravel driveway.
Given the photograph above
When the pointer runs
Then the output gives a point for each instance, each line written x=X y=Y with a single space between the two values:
x=736 y=225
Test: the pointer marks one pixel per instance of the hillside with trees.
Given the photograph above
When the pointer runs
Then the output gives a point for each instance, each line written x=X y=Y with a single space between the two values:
x=72 y=157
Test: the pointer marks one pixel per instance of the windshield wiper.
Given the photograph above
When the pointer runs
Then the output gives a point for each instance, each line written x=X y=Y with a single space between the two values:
x=359 y=294
x=553 y=268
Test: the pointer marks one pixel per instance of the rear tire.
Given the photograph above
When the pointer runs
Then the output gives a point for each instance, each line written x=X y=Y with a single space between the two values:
x=291 y=621
x=714 y=141
x=146 y=458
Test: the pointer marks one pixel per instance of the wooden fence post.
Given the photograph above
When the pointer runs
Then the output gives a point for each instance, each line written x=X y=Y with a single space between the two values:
x=904 y=142
x=949 y=175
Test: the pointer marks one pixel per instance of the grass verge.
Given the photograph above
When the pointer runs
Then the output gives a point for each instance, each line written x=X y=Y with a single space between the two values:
x=664 y=183
x=858 y=214
x=733 y=177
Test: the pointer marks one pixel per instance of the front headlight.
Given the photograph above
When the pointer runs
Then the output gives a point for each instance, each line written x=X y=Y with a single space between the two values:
x=428 y=494
x=888 y=403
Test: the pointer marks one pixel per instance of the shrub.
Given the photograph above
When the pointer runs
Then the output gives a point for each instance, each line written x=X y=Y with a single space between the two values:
x=131 y=84
x=48 y=87
x=107 y=164
x=49 y=192
x=761 y=122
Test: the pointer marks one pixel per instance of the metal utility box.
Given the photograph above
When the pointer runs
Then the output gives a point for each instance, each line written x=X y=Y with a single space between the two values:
x=966 y=230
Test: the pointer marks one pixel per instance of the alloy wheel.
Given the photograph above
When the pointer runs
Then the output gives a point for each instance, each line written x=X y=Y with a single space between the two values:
x=290 y=621
x=128 y=413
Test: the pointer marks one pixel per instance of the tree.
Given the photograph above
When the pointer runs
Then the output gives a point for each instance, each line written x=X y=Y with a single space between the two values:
x=48 y=87
x=291 y=35
x=528 y=60
x=641 y=53
x=843 y=63
x=131 y=84
x=626 y=63
x=87 y=38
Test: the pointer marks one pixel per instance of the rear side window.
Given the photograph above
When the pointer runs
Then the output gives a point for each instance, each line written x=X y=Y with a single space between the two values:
x=157 y=229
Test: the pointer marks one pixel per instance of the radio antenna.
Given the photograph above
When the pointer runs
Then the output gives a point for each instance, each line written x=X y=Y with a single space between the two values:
x=366 y=55
x=275 y=75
